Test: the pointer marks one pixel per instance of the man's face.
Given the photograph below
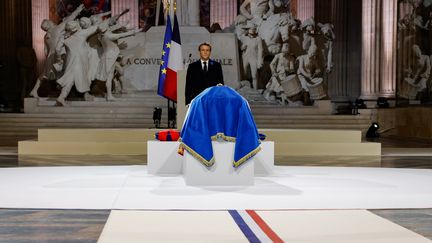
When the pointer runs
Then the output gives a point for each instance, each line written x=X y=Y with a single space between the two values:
x=204 y=52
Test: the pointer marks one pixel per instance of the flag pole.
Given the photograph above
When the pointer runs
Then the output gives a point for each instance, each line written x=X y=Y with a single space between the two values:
x=168 y=101
x=168 y=111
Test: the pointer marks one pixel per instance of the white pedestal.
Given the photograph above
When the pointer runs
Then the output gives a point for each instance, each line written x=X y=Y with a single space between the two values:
x=222 y=173
x=163 y=159
x=264 y=160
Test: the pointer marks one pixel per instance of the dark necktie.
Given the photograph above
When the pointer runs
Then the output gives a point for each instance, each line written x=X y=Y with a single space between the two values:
x=205 y=66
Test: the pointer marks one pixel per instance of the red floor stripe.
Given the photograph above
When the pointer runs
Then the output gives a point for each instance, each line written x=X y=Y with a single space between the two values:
x=265 y=228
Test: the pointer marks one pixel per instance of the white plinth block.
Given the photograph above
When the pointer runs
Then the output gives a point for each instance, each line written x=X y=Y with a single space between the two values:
x=222 y=172
x=264 y=160
x=163 y=159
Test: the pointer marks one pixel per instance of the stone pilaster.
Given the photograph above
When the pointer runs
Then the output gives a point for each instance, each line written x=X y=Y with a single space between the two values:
x=371 y=40
x=338 y=78
x=194 y=12
x=378 y=48
x=40 y=11
x=388 y=50
x=223 y=12
x=305 y=9
x=117 y=6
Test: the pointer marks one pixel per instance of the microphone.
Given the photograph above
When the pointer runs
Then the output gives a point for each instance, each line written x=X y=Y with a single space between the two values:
x=189 y=61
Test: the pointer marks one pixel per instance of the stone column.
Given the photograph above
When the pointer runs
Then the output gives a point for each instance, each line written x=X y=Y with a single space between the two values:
x=338 y=78
x=379 y=49
x=117 y=6
x=223 y=12
x=305 y=9
x=388 y=50
x=40 y=11
x=194 y=12
x=371 y=39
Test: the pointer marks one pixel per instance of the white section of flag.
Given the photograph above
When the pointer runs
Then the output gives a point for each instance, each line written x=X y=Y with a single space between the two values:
x=175 y=59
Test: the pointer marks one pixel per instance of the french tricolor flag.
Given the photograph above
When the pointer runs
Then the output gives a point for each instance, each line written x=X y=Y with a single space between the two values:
x=171 y=61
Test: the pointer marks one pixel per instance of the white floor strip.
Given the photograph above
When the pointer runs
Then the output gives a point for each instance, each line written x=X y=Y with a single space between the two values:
x=337 y=226
x=170 y=226
x=316 y=226
x=131 y=187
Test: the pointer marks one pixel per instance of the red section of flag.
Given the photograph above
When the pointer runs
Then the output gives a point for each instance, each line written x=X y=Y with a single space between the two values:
x=170 y=87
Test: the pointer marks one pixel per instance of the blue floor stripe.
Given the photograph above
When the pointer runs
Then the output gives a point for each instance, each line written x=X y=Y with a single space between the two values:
x=244 y=227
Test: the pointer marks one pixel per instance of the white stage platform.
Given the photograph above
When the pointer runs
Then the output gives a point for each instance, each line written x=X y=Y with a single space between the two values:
x=131 y=187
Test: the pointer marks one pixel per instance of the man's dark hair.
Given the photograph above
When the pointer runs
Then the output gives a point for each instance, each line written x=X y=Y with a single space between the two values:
x=204 y=44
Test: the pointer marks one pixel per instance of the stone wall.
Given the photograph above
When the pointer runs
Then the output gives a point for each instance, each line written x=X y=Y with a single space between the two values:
x=411 y=121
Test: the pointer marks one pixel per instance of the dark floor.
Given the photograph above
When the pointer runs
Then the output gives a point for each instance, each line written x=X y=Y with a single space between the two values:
x=84 y=226
x=49 y=226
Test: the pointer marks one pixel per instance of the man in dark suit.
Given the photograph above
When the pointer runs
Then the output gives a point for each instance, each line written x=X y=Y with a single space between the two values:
x=202 y=74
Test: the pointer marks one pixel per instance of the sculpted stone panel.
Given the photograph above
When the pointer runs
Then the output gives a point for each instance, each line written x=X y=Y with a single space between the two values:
x=415 y=51
x=284 y=59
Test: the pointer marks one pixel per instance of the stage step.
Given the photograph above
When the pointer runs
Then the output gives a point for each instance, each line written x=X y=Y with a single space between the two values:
x=28 y=124
x=134 y=142
x=143 y=135
x=135 y=111
x=81 y=148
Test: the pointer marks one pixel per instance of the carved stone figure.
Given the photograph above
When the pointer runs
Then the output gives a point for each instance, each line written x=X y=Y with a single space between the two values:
x=258 y=9
x=77 y=61
x=93 y=48
x=252 y=55
x=53 y=51
x=308 y=27
x=325 y=41
x=240 y=24
x=310 y=74
x=110 y=54
x=284 y=82
x=417 y=75
x=274 y=31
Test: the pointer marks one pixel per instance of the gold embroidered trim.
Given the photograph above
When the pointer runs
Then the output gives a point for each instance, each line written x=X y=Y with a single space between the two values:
x=197 y=156
x=211 y=162
x=222 y=135
x=246 y=157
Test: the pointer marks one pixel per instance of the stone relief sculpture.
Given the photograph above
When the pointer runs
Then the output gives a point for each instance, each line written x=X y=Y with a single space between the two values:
x=82 y=50
x=415 y=50
x=417 y=75
x=53 y=49
x=297 y=56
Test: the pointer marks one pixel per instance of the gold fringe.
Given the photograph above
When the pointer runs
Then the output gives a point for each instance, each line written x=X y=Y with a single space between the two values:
x=222 y=135
x=246 y=157
x=197 y=156
x=211 y=162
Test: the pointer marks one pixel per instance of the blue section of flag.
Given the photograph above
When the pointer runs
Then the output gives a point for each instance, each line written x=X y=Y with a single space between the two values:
x=244 y=227
x=164 y=58
x=176 y=31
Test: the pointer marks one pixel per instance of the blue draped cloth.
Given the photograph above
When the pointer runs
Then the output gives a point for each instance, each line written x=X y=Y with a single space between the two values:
x=219 y=112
